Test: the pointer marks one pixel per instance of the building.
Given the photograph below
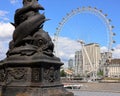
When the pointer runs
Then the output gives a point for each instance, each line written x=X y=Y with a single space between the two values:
x=78 y=63
x=91 y=58
x=113 y=68
x=70 y=64
x=103 y=62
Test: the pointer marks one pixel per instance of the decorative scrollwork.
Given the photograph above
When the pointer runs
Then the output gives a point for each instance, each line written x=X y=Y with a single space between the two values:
x=36 y=74
x=2 y=75
x=50 y=74
x=16 y=73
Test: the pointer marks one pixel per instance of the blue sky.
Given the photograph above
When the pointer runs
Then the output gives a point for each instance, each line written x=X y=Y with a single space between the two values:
x=85 y=26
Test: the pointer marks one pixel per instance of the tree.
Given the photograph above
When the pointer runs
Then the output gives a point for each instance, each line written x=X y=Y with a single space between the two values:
x=100 y=73
x=62 y=73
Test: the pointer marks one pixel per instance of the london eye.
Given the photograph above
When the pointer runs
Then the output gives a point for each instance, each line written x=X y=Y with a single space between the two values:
x=96 y=12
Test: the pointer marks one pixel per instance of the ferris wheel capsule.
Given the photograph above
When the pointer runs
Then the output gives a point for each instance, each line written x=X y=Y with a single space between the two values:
x=106 y=15
x=114 y=34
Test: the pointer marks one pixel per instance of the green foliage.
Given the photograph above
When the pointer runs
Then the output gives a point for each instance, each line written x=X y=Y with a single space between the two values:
x=62 y=73
x=100 y=73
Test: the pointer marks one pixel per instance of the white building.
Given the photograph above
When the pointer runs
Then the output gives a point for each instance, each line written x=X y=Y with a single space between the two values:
x=113 y=68
x=91 y=57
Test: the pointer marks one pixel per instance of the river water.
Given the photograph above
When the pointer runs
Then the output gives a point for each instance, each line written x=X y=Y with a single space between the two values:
x=88 y=93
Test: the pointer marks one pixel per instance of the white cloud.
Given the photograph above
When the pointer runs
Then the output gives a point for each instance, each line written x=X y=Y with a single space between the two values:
x=5 y=19
x=116 y=51
x=104 y=49
x=3 y=15
x=3 y=50
x=66 y=48
x=118 y=46
x=6 y=30
x=13 y=1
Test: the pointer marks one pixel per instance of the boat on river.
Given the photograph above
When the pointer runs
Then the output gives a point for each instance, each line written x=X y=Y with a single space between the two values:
x=73 y=86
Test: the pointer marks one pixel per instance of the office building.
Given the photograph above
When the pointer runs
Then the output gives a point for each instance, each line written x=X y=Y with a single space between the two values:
x=78 y=63
x=70 y=64
x=91 y=58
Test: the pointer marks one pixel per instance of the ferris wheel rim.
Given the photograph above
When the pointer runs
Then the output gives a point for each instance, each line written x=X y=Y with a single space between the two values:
x=94 y=11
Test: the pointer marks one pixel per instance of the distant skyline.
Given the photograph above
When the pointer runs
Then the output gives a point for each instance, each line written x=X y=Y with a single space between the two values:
x=85 y=26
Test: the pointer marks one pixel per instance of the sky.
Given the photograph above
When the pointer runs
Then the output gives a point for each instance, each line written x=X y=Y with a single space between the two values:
x=87 y=26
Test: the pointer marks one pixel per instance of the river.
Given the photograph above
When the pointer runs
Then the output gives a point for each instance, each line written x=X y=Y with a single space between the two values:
x=91 y=93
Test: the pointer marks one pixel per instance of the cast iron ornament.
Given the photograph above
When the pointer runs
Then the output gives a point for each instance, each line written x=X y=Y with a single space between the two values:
x=29 y=37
